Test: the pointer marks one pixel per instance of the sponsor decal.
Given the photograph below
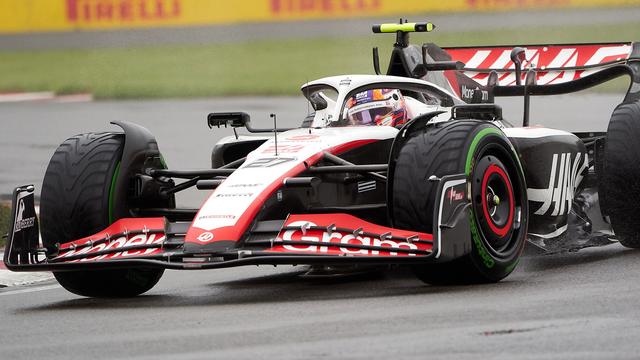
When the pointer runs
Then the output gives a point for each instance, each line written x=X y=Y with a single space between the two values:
x=492 y=4
x=121 y=242
x=268 y=162
x=325 y=240
x=121 y=11
x=306 y=137
x=213 y=216
x=234 y=195
x=566 y=174
x=205 y=236
x=454 y=195
x=244 y=185
x=21 y=221
x=283 y=149
x=326 y=7
x=469 y=94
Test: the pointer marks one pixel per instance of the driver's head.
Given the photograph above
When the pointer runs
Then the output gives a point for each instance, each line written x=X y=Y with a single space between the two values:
x=377 y=107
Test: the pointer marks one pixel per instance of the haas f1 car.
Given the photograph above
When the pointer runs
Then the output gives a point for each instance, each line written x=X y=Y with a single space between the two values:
x=416 y=167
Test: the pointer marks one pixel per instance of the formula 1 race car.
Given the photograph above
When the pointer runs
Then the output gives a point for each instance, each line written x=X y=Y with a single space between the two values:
x=442 y=184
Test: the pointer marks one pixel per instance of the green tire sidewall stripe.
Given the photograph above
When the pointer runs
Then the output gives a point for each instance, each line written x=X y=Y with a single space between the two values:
x=163 y=162
x=487 y=259
x=512 y=266
x=474 y=145
x=112 y=190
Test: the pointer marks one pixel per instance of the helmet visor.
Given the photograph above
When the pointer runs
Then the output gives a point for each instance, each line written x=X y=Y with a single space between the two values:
x=369 y=115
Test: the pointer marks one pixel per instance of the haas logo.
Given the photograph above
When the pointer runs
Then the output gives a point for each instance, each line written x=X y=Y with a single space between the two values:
x=455 y=195
x=566 y=175
x=205 y=237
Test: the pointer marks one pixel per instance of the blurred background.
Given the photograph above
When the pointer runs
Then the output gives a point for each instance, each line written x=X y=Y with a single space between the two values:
x=71 y=66
x=132 y=49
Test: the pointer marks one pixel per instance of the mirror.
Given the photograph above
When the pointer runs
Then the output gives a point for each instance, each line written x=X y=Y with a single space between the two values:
x=317 y=101
x=233 y=119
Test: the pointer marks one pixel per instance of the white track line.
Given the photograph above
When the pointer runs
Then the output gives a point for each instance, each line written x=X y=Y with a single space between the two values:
x=73 y=98
x=30 y=290
x=20 y=97
x=45 y=96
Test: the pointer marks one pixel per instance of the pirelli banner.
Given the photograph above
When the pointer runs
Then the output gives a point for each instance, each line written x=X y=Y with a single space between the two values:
x=18 y=16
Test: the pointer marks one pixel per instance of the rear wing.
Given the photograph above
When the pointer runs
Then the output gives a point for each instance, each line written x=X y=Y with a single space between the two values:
x=478 y=73
x=560 y=68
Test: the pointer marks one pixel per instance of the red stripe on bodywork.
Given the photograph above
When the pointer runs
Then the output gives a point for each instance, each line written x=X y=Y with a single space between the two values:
x=234 y=233
x=453 y=80
x=121 y=234
x=120 y=226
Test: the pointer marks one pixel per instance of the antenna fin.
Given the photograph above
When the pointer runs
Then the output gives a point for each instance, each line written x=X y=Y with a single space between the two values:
x=275 y=132
x=376 y=61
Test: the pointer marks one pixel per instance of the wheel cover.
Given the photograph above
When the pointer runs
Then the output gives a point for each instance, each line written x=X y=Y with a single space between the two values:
x=494 y=202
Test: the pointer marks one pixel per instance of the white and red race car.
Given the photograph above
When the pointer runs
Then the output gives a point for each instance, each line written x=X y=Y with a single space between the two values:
x=416 y=167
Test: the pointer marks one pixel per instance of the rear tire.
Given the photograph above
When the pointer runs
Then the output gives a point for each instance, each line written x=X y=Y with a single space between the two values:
x=480 y=150
x=76 y=202
x=621 y=175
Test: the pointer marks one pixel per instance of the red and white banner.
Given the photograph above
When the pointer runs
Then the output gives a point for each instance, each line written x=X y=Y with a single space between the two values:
x=554 y=64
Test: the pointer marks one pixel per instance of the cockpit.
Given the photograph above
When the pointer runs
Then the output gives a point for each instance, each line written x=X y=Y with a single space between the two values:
x=363 y=100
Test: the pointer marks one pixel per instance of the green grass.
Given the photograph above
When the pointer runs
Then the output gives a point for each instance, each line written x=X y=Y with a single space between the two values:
x=250 y=68
x=4 y=223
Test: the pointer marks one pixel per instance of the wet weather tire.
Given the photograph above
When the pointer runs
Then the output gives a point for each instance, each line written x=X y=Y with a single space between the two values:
x=76 y=202
x=498 y=216
x=619 y=180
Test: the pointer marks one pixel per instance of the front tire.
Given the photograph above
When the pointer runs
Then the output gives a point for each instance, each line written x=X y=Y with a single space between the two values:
x=76 y=201
x=498 y=215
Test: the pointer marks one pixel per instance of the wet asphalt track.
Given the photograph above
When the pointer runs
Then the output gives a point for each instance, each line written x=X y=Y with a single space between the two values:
x=573 y=306
x=580 y=305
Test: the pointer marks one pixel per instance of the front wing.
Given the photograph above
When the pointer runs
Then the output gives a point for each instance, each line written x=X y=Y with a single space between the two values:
x=300 y=239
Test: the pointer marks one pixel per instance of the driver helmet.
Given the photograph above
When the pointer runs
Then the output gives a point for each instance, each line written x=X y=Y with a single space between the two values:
x=377 y=107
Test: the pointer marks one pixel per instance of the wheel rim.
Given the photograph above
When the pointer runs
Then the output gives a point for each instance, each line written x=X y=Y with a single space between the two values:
x=494 y=202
